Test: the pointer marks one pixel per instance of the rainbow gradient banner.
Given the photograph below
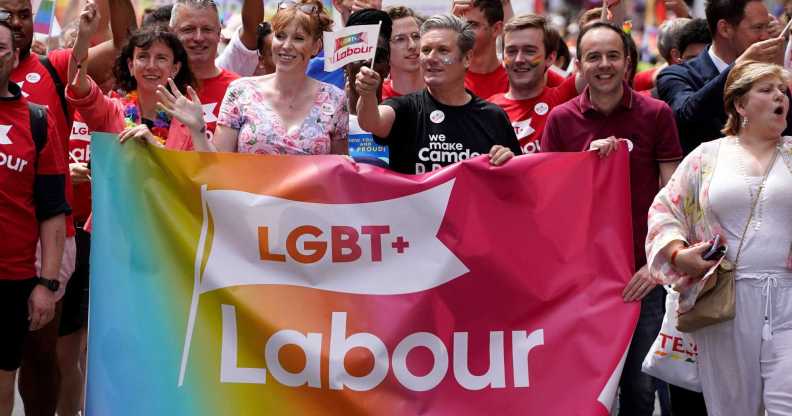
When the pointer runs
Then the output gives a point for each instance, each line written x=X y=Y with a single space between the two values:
x=238 y=284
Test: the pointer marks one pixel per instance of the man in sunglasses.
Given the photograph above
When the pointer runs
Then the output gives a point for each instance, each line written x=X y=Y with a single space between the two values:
x=32 y=207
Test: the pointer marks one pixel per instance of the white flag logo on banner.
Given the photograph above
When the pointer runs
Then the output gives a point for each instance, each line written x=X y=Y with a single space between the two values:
x=250 y=246
x=350 y=44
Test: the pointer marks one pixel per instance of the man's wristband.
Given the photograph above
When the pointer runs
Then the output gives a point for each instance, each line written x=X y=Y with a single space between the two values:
x=51 y=284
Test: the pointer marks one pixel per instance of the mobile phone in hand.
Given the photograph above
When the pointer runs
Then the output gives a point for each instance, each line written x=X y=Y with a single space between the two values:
x=716 y=250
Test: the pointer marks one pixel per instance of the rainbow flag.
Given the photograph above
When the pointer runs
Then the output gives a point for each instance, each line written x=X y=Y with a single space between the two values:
x=350 y=40
x=318 y=286
x=42 y=21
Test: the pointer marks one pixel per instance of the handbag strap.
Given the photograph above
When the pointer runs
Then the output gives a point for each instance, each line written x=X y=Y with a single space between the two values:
x=753 y=205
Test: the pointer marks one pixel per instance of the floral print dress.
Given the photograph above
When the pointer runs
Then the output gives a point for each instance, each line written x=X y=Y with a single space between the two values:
x=246 y=109
x=682 y=211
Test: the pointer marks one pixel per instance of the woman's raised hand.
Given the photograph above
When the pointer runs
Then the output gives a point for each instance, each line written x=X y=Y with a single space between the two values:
x=187 y=110
x=89 y=19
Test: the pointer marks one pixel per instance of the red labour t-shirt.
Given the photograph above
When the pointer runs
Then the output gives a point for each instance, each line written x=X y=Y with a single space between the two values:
x=211 y=92
x=487 y=85
x=528 y=116
x=645 y=80
x=39 y=88
x=649 y=126
x=388 y=91
x=554 y=79
x=19 y=166
x=80 y=152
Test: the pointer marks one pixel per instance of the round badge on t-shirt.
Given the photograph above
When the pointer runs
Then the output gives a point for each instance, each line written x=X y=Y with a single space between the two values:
x=33 y=77
x=437 y=116
x=327 y=109
x=541 y=108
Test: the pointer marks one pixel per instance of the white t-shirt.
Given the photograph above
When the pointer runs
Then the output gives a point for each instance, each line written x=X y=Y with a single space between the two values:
x=237 y=58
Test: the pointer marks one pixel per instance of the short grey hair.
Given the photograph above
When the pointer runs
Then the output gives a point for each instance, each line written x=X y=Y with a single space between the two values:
x=668 y=36
x=194 y=4
x=466 y=37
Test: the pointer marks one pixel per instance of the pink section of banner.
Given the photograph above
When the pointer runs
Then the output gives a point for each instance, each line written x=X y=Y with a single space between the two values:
x=536 y=325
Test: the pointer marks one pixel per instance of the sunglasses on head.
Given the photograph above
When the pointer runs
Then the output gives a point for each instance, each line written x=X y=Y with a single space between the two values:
x=303 y=7
x=5 y=16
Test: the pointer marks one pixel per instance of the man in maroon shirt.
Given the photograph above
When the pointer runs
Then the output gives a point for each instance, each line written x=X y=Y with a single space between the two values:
x=32 y=207
x=607 y=114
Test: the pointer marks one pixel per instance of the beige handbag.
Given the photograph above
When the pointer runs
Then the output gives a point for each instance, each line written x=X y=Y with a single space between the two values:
x=716 y=301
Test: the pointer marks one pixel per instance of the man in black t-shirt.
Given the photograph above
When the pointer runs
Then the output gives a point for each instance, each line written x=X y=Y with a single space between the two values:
x=443 y=123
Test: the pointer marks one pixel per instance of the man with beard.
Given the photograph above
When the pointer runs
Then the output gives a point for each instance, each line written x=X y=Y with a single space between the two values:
x=528 y=52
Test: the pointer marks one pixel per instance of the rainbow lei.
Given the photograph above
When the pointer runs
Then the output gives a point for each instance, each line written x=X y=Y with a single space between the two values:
x=132 y=117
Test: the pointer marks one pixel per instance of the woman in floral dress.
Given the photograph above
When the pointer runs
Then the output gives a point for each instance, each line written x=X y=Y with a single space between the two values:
x=281 y=113
x=745 y=364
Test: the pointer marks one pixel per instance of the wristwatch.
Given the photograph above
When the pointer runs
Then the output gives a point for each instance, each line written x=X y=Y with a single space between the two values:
x=50 y=284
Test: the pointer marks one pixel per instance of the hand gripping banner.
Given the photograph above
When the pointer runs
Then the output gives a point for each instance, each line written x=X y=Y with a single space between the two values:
x=234 y=284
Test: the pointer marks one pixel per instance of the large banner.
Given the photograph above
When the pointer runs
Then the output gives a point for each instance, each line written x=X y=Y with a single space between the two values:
x=235 y=284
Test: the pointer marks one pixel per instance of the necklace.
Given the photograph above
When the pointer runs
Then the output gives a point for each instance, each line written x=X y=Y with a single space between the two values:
x=757 y=218
x=133 y=117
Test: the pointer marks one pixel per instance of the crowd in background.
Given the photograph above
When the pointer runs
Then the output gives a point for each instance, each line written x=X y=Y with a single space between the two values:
x=701 y=101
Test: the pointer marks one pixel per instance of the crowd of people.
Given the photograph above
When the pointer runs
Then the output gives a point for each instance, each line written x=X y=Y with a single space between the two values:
x=706 y=133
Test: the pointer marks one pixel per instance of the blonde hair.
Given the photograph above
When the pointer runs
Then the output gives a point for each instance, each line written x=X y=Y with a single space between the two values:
x=313 y=23
x=740 y=80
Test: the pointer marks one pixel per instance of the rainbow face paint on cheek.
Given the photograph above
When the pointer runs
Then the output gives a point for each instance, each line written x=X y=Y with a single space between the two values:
x=447 y=60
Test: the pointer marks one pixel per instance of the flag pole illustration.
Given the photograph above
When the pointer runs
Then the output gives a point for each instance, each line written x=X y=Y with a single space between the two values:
x=379 y=26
